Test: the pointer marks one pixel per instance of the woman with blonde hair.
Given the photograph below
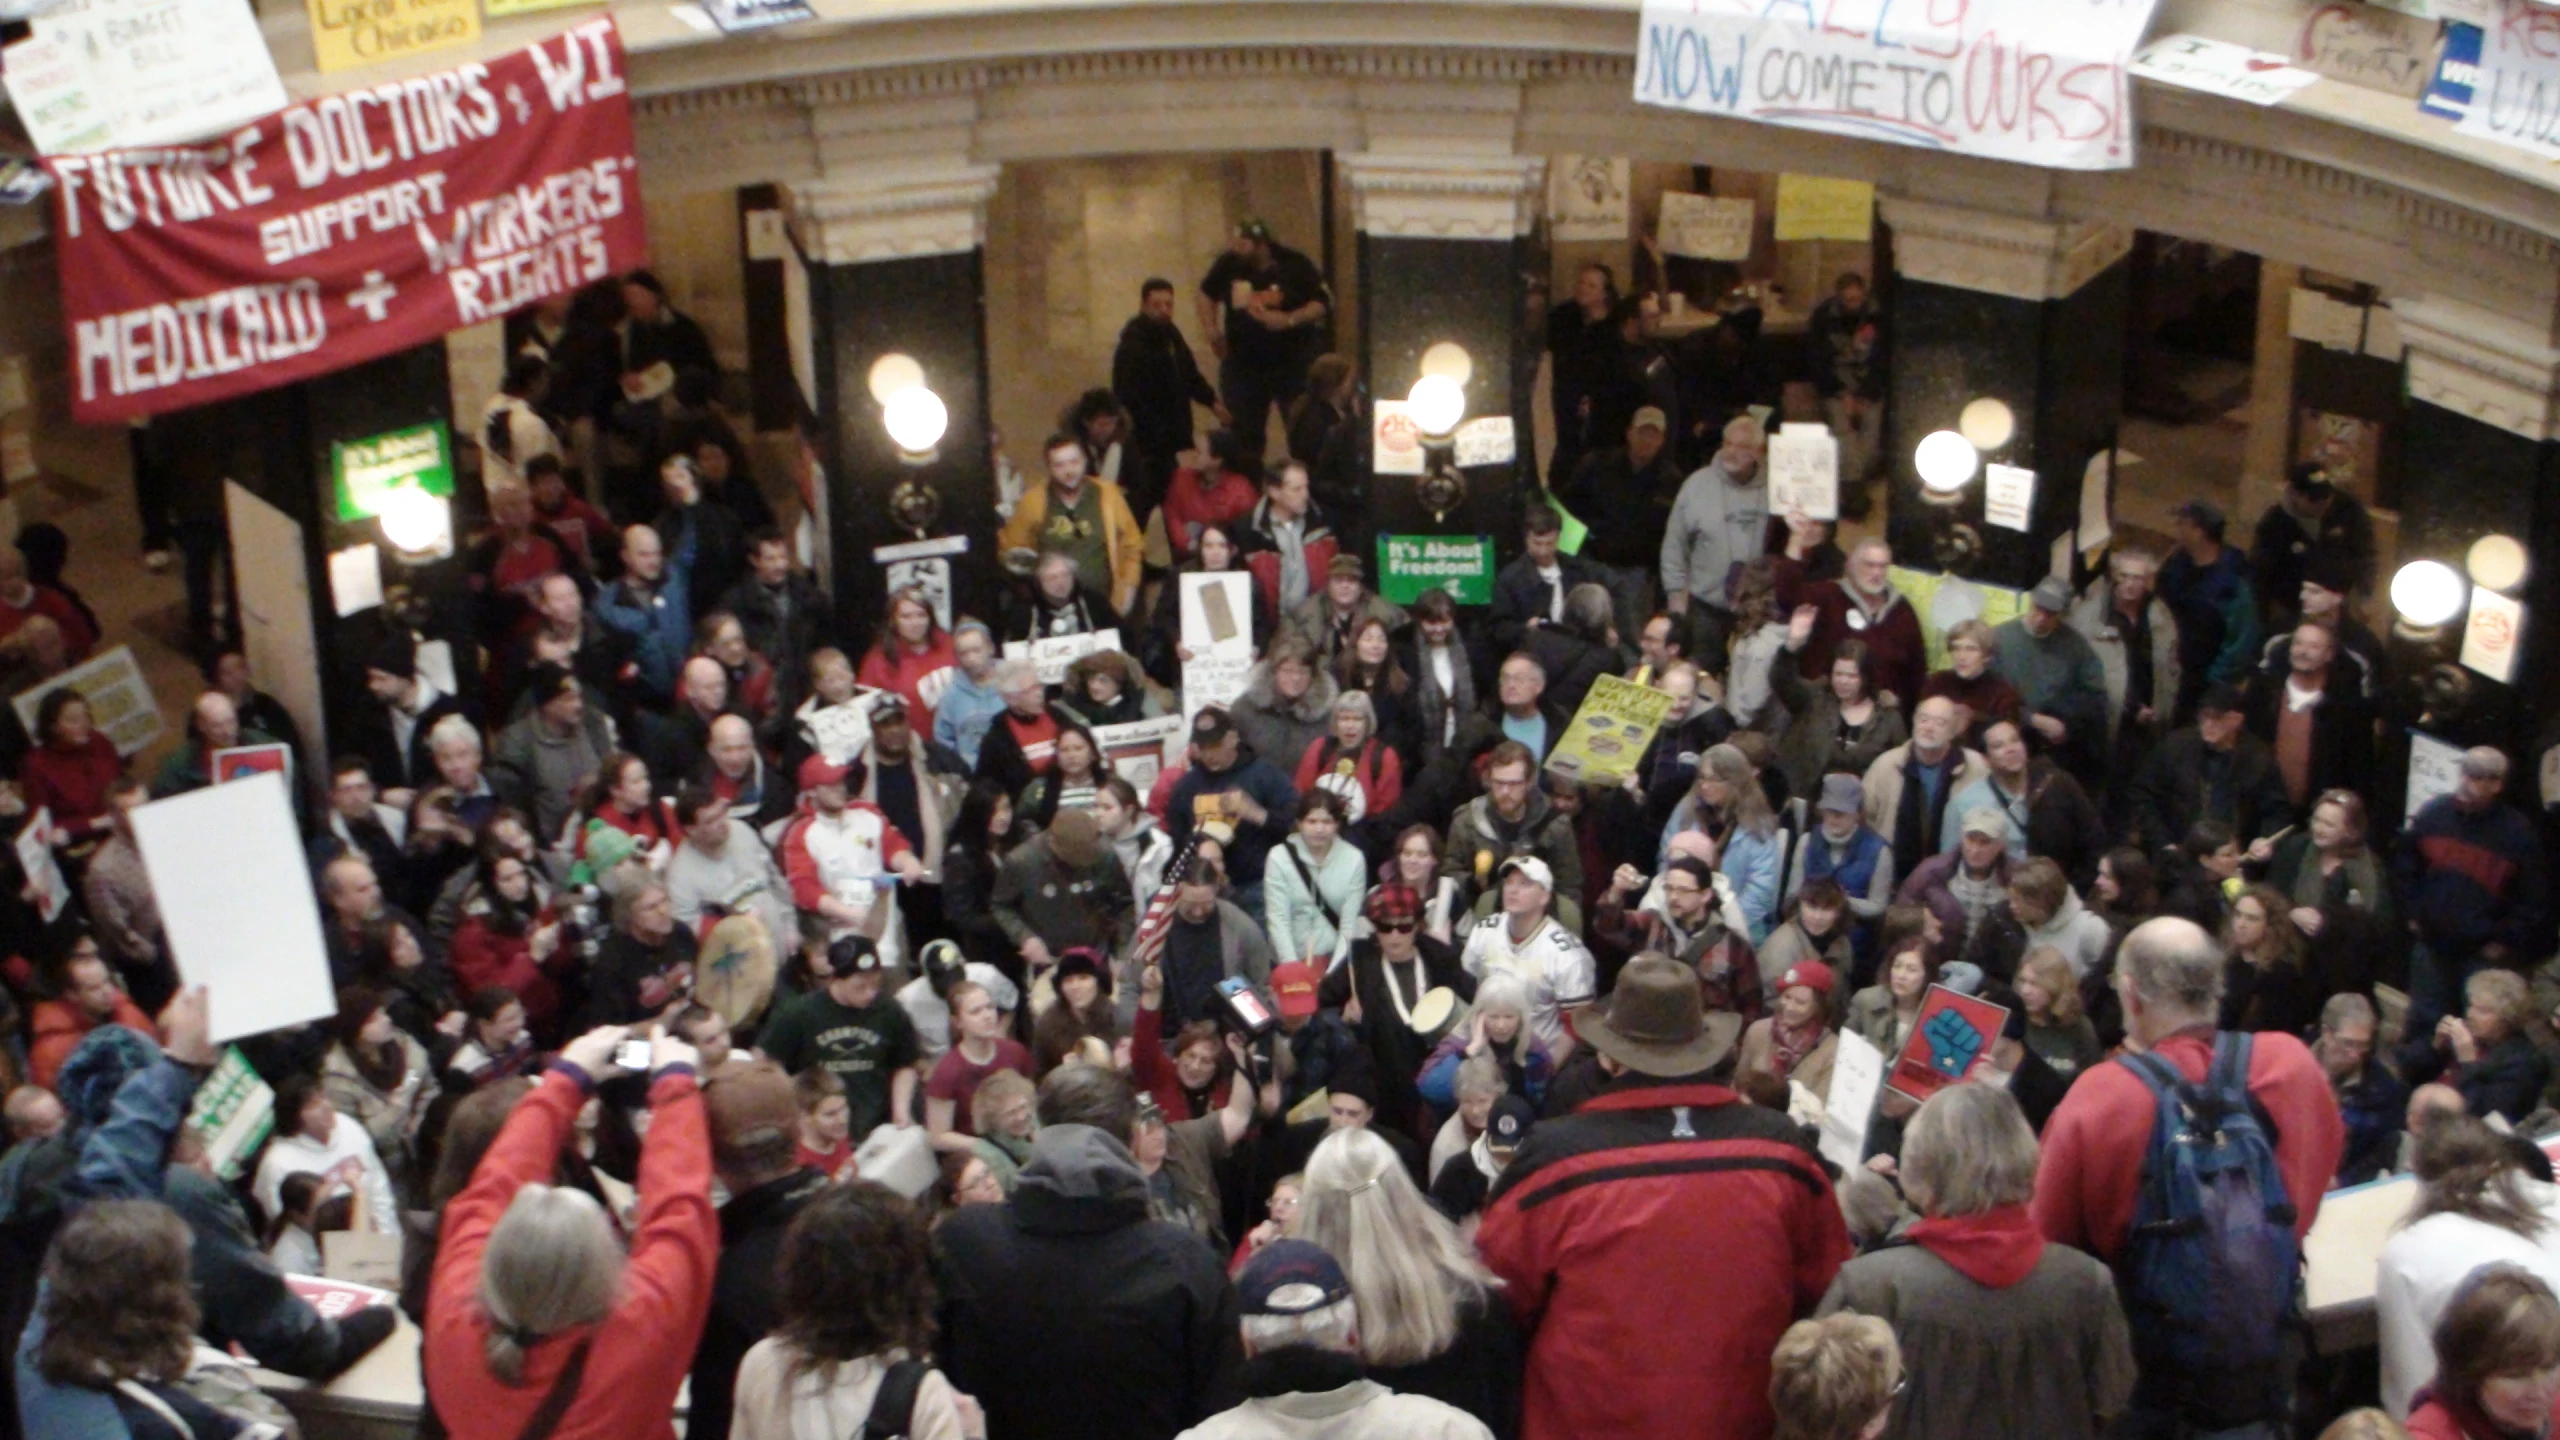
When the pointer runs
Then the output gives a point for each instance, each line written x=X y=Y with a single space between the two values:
x=1834 y=1378
x=2484 y=1052
x=1496 y=1026
x=2008 y=1338
x=1429 y=1323
x=1733 y=810
x=2057 y=1029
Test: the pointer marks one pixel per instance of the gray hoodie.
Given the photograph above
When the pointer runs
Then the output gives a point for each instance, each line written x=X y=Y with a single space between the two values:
x=1716 y=524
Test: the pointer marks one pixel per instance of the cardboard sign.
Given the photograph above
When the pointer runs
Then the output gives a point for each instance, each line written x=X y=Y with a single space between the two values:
x=1487 y=440
x=2024 y=80
x=1950 y=1040
x=2519 y=74
x=2435 y=768
x=1051 y=657
x=1395 y=442
x=1609 y=733
x=1140 y=749
x=345 y=228
x=2489 y=636
x=2218 y=67
x=349 y=33
x=1814 y=207
x=233 y=1113
x=1707 y=227
x=44 y=876
x=1459 y=564
x=105 y=74
x=235 y=897
x=119 y=699
x=2369 y=46
x=1804 y=472
x=1217 y=613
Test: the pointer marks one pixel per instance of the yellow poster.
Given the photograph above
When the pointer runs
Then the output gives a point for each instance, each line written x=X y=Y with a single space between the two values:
x=1609 y=733
x=349 y=33
x=1811 y=207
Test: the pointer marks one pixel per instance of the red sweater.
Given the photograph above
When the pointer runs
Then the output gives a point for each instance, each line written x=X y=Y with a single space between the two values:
x=1153 y=1070
x=55 y=1029
x=1657 y=1242
x=72 y=783
x=2088 y=1179
x=1190 y=504
x=919 y=676
x=483 y=956
x=636 y=1361
x=1894 y=643
x=1375 y=769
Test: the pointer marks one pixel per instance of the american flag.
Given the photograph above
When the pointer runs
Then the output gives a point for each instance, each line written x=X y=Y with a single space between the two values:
x=1159 y=917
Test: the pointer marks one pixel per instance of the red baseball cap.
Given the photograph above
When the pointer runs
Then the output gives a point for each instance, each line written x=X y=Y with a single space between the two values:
x=1293 y=988
x=818 y=770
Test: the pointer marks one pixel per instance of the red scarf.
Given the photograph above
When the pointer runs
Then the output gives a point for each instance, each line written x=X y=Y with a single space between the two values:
x=1997 y=1248
x=1788 y=1047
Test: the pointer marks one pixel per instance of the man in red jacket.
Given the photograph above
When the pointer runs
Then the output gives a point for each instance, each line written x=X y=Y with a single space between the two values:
x=88 y=998
x=1661 y=1238
x=1862 y=605
x=2169 y=976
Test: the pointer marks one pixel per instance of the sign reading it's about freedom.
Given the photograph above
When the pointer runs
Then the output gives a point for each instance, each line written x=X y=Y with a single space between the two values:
x=2038 y=81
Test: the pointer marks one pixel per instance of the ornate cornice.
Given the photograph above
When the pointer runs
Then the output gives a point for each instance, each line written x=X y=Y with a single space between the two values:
x=1439 y=197
x=942 y=211
x=2020 y=257
x=2489 y=365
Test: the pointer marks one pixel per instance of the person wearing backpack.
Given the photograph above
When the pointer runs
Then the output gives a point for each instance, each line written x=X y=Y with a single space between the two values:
x=846 y=1363
x=2193 y=1165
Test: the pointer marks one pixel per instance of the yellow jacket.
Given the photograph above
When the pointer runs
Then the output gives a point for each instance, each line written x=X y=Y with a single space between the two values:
x=1121 y=539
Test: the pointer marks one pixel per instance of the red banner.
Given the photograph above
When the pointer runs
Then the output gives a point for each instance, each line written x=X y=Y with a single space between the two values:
x=347 y=228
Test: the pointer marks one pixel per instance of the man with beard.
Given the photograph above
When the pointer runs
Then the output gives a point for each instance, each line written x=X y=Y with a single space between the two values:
x=1512 y=818
x=1682 y=917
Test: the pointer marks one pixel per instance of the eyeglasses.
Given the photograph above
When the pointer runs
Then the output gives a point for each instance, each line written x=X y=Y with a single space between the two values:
x=1393 y=927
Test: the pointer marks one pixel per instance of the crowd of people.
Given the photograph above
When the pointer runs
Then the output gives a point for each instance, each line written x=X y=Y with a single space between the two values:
x=824 y=1018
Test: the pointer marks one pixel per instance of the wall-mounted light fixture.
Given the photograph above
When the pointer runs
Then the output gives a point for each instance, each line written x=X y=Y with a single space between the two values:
x=1436 y=405
x=1947 y=462
x=415 y=522
x=1987 y=424
x=913 y=415
x=2496 y=562
x=2427 y=594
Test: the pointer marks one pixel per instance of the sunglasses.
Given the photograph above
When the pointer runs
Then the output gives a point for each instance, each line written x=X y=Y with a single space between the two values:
x=1392 y=927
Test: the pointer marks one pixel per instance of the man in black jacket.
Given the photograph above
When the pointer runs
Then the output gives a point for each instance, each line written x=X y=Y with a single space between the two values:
x=2211 y=770
x=392 y=736
x=755 y=1151
x=1625 y=495
x=1158 y=379
x=1067 y=1311
x=1577 y=652
x=779 y=605
x=1530 y=591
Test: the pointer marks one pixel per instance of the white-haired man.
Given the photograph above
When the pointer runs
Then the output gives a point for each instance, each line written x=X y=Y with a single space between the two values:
x=1719 y=521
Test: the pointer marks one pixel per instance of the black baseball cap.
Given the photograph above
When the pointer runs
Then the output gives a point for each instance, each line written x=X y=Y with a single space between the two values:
x=853 y=955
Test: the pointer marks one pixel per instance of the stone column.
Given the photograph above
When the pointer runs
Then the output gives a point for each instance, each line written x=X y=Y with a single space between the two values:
x=2026 y=310
x=897 y=266
x=1442 y=259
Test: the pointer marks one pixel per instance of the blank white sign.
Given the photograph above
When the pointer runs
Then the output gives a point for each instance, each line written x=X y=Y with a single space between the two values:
x=236 y=899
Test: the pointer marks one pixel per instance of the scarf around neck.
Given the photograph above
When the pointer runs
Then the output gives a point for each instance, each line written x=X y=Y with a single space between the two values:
x=1788 y=1048
x=1997 y=1248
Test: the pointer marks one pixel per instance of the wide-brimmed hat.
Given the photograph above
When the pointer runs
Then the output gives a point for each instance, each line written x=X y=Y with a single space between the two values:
x=1656 y=1022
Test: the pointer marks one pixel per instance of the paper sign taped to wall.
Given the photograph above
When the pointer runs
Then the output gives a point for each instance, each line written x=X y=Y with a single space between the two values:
x=1487 y=440
x=1395 y=442
x=1814 y=207
x=1708 y=227
x=2008 y=496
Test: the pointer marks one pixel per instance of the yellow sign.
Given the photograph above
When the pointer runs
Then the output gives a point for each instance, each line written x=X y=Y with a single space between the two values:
x=349 y=33
x=1813 y=208
x=1610 y=732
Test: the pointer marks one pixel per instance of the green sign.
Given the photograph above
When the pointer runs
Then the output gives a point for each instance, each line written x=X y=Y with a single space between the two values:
x=1459 y=564
x=366 y=470
x=233 y=1113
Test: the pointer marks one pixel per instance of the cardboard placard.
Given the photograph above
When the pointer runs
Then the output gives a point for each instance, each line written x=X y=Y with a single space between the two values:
x=1217 y=613
x=1609 y=733
x=1804 y=472
x=1857 y=1077
x=119 y=699
x=1212 y=680
x=1052 y=656
x=361 y=1257
x=2370 y=46
x=227 y=867
x=1951 y=1039
x=1707 y=227
x=349 y=33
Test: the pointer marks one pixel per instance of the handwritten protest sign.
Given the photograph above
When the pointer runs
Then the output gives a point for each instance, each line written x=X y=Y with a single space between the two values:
x=1804 y=472
x=1140 y=749
x=2516 y=95
x=1815 y=207
x=119 y=699
x=1051 y=657
x=1610 y=732
x=2218 y=67
x=2435 y=768
x=1950 y=1040
x=1857 y=1074
x=1707 y=227
x=44 y=876
x=2025 y=80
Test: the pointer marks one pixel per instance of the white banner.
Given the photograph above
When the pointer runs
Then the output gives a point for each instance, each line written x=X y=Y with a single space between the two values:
x=1707 y=227
x=2043 y=82
x=1052 y=657
x=110 y=74
x=2513 y=100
